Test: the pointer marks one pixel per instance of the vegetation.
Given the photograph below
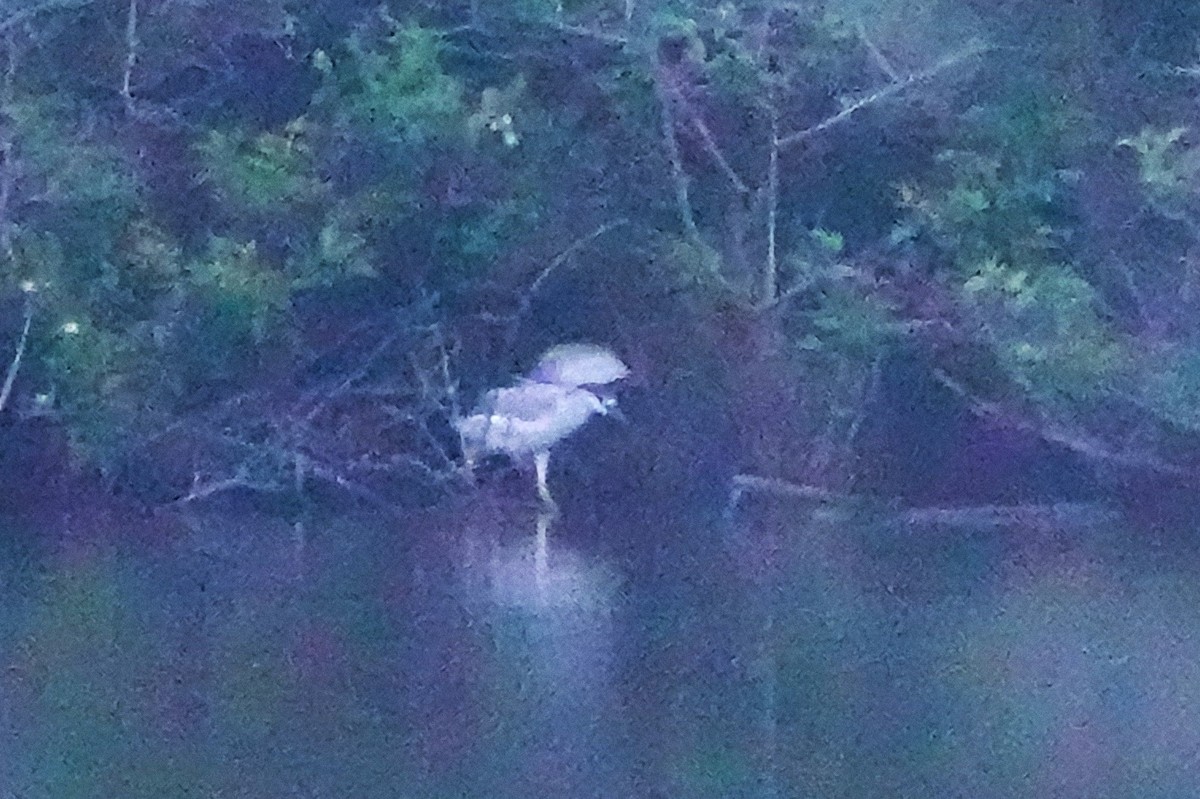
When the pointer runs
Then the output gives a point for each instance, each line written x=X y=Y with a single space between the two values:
x=261 y=245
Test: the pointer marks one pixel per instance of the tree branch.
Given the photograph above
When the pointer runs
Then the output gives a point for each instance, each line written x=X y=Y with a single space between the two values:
x=678 y=175
x=879 y=58
x=891 y=89
x=1056 y=514
x=240 y=480
x=710 y=144
x=20 y=353
x=770 y=286
x=526 y=297
x=562 y=257
x=1074 y=440
x=131 y=49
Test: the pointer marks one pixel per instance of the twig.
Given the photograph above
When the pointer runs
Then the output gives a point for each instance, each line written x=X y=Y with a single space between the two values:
x=870 y=386
x=575 y=247
x=881 y=94
x=678 y=175
x=239 y=480
x=350 y=379
x=879 y=58
x=525 y=299
x=771 y=276
x=710 y=143
x=131 y=49
x=355 y=488
x=20 y=353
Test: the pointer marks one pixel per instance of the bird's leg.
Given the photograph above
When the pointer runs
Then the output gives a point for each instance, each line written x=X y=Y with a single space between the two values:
x=542 y=461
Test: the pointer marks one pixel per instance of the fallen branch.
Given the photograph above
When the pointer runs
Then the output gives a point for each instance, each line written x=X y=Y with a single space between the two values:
x=1027 y=514
x=1074 y=440
x=751 y=483
x=1055 y=514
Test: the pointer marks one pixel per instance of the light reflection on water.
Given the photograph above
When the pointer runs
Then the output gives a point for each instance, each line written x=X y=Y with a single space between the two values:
x=489 y=652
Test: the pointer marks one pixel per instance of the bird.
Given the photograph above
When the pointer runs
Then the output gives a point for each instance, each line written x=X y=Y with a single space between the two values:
x=559 y=396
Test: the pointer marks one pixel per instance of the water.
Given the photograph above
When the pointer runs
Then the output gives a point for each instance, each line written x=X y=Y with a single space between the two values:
x=487 y=652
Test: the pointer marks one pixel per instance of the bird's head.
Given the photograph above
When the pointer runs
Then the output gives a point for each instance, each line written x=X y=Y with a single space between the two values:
x=610 y=408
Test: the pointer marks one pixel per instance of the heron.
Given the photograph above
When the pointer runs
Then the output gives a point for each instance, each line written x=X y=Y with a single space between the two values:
x=557 y=398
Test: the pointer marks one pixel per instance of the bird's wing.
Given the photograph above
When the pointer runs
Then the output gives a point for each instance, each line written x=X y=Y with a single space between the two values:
x=579 y=365
x=528 y=401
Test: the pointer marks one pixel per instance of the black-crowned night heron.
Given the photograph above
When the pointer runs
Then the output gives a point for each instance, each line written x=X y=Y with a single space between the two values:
x=557 y=398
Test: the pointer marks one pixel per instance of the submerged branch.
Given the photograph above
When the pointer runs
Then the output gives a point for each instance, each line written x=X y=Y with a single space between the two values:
x=752 y=483
x=1053 y=514
x=1027 y=514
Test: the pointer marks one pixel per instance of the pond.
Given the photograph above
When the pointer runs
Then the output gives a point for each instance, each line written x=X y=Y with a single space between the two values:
x=792 y=650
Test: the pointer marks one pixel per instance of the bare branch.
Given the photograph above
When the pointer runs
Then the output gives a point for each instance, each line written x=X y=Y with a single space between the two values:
x=240 y=480
x=525 y=299
x=1054 y=515
x=591 y=33
x=341 y=388
x=748 y=483
x=562 y=257
x=355 y=488
x=1074 y=440
x=710 y=144
x=879 y=58
x=131 y=51
x=8 y=177
x=678 y=174
x=1031 y=514
x=15 y=366
x=891 y=89
x=771 y=276
x=870 y=388
x=792 y=292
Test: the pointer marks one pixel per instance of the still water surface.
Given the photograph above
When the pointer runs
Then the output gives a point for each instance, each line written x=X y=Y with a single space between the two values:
x=789 y=652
